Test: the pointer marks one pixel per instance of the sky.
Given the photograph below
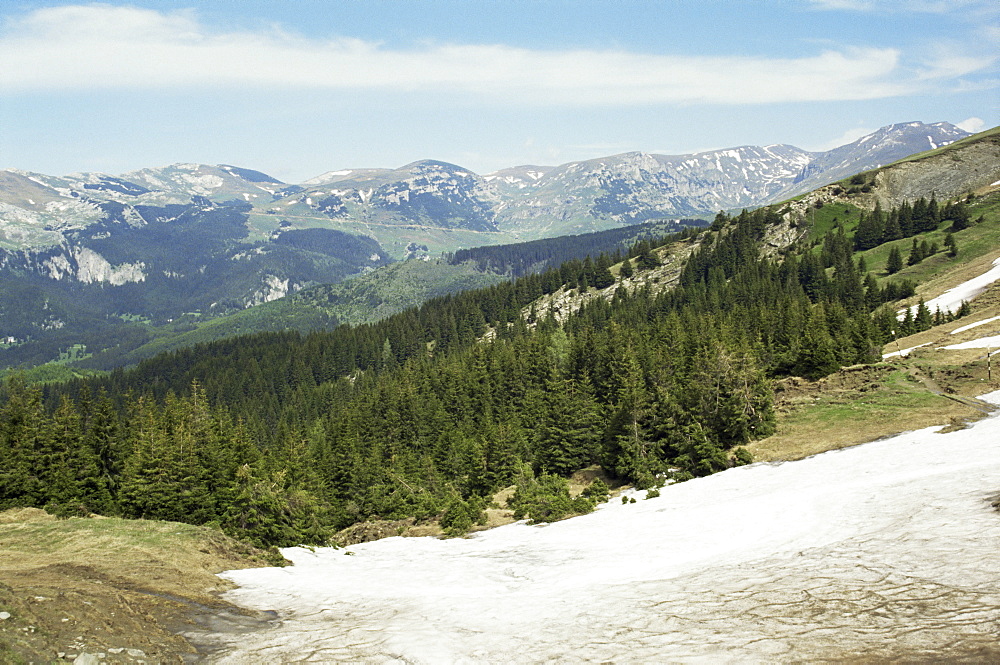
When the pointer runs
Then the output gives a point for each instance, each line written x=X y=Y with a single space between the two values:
x=301 y=87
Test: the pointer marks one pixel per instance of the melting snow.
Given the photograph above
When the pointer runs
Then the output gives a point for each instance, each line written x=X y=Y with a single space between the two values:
x=952 y=299
x=973 y=325
x=903 y=352
x=992 y=342
x=884 y=551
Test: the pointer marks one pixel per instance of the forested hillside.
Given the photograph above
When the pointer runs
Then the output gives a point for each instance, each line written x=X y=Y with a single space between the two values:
x=282 y=437
x=657 y=363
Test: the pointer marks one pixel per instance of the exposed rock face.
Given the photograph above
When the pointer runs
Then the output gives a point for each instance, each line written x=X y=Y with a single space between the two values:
x=947 y=175
x=92 y=267
x=74 y=263
x=273 y=288
x=972 y=166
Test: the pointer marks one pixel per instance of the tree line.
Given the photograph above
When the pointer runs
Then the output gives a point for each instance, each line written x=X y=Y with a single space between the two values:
x=281 y=438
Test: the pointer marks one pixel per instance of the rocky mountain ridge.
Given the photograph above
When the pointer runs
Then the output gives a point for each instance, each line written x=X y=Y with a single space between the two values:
x=85 y=252
x=519 y=203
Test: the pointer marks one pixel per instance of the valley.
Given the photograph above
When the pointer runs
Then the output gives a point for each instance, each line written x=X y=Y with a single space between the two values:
x=117 y=263
x=742 y=381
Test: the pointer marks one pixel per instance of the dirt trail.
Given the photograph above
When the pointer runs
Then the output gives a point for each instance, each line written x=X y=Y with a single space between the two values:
x=932 y=385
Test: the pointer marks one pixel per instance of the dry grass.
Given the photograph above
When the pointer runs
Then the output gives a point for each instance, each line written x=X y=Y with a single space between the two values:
x=848 y=418
x=90 y=585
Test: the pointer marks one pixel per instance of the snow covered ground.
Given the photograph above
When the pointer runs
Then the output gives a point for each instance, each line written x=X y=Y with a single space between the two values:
x=952 y=299
x=884 y=550
x=974 y=325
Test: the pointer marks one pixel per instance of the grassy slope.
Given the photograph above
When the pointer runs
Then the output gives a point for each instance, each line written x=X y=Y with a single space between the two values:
x=91 y=585
x=865 y=403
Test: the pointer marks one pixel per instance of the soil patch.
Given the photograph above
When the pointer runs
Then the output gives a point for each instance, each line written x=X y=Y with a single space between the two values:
x=119 y=590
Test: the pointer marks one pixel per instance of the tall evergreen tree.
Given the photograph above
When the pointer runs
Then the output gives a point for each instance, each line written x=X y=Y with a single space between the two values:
x=817 y=356
x=895 y=261
x=570 y=431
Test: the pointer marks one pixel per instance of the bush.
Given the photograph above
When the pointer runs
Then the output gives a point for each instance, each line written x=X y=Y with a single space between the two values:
x=597 y=490
x=542 y=499
x=547 y=499
x=460 y=515
x=68 y=509
x=741 y=456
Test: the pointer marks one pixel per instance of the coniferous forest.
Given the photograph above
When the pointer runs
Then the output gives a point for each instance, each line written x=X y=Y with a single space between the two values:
x=282 y=438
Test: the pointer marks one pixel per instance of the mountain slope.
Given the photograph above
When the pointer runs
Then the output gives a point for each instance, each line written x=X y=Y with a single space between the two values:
x=189 y=239
x=968 y=166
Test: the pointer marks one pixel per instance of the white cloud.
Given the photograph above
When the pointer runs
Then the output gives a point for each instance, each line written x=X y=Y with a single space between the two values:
x=895 y=6
x=842 y=5
x=103 y=46
x=849 y=136
x=951 y=60
x=971 y=125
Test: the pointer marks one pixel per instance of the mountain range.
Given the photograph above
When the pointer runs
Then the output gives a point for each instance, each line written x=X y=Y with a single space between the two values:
x=175 y=244
x=395 y=206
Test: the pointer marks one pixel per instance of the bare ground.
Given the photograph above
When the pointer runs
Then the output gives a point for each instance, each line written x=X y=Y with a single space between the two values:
x=119 y=590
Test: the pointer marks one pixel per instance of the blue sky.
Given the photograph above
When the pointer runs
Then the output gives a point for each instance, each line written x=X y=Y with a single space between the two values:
x=300 y=87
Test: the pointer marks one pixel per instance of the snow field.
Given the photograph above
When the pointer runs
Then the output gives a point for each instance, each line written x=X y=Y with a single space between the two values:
x=885 y=550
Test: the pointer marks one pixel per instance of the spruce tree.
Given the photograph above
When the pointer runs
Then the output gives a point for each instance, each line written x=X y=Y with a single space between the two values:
x=895 y=261
x=951 y=244
x=893 y=230
x=570 y=430
x=923 y=319
x=626 y=270
x=817 y=356
x=916 y=255
x=22 y=431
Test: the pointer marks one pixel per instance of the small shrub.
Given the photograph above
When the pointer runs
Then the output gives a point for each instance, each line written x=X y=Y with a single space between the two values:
x=598 y=490
x=741 y=456
x=460 y=516
x=67 y=510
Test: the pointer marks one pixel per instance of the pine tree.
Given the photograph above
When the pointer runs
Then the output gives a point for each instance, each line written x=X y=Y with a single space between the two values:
x=895 y=261
x=870 y=230
x=951 y=244
x=916 y=256
x=923 y=319
x=602 y=272
x=629 y=451
x=570 y=430
x=893 y=230
x=22 y=429
x=817 y=356
x=626 y=270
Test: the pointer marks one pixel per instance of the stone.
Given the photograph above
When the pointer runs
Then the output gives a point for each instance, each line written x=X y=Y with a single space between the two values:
x=87 y=659
x=4 y=616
